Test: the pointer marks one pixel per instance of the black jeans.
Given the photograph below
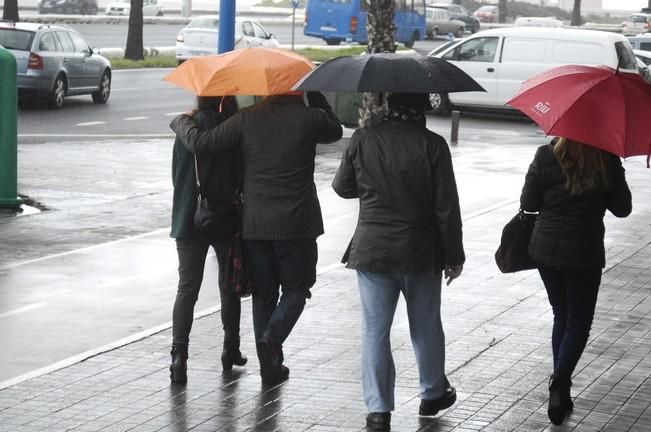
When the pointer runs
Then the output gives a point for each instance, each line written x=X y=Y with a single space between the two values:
x=573 y=297
x=192 y=258
x=290 y=264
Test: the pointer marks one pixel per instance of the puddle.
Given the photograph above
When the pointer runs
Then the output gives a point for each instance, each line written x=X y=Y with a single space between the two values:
x=28 y=207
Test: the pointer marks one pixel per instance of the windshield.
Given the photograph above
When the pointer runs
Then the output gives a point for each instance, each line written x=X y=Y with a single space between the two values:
x=16 y=39
x=204 y=23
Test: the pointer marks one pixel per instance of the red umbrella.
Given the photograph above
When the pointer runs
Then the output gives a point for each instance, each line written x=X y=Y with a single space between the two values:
x=598 y=106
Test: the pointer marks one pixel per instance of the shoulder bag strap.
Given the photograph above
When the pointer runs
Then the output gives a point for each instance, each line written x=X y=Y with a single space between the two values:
x=196 y=175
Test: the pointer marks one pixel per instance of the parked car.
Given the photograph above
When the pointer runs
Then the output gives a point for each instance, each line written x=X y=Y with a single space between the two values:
x=53 y=62
x=487 y=13
x=123 y=7
x=643 y=63
x=502 y=59
x=637 y=23
x=80 y=7
x=438 y=22
x=460 y=13
x=537 y=22
x=641 y=41
x=200 y=36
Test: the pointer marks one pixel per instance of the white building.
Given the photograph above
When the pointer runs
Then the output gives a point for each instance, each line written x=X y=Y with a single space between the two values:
x=586 y=5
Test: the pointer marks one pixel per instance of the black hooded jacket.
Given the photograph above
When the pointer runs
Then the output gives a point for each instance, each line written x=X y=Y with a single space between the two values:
x=569 y=231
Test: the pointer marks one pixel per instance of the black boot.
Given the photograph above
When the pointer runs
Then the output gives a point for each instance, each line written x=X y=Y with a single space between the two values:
x=179 y=366
x=231 y=355
x=560 y=401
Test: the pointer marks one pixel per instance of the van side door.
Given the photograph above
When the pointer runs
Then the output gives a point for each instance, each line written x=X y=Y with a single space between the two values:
x=479 y=58
x=522 y=58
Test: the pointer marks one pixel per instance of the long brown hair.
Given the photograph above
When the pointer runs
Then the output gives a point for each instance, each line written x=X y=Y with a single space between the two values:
x=585 y=167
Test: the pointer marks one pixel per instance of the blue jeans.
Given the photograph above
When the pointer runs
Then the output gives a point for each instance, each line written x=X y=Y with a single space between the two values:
x=379 y=294
x=290 y=264
x=573 y=297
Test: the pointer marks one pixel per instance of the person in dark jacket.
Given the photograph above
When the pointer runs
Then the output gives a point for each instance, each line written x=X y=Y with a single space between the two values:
x=408 y=233
x=281 y=211
x=220 y=178
x=571 y=184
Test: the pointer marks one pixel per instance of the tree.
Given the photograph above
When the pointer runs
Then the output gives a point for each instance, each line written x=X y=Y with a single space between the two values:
x=576 y=13
x=10 y=11
x=134 y=49
x=381 y=38
x=502 y=11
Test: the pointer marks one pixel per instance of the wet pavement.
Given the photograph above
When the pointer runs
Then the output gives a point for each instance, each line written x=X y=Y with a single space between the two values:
x=105 y=229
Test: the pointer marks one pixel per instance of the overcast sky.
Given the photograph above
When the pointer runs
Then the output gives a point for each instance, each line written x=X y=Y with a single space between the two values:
x=625 y=4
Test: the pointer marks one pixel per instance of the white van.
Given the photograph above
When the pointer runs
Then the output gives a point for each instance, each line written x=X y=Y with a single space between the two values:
x=502 y=59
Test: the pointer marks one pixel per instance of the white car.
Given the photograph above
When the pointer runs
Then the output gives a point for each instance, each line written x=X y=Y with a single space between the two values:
x=199 y=37
x=644 y=62
x=149 y=8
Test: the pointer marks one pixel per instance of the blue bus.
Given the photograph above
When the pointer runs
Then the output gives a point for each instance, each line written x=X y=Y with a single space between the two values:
x=345 y=20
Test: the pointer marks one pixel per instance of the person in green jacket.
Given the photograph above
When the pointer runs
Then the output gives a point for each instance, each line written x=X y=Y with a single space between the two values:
x=220 y=179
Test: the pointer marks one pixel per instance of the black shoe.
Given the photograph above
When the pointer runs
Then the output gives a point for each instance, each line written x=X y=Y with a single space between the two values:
x=232 y=357
x=431 y=407
x=378 y=421
x=560 y=401
x=179 y=366
x=281 y=376
x=270 y=355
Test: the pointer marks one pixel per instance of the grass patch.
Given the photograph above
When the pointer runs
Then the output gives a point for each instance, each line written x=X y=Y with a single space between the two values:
x=169 y=61
x=163 y=61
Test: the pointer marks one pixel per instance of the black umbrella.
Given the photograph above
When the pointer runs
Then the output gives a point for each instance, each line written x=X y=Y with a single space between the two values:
x=388 y=72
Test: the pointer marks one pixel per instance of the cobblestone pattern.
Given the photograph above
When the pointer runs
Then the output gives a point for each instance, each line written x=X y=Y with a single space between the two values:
x=498 y=356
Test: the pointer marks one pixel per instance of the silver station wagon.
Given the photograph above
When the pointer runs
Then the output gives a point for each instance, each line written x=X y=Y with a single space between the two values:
x=54 y=62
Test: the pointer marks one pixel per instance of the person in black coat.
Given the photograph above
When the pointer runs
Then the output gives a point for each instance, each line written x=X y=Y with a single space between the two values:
x=409 y=232
x=571 y=185
x=220 y=178
x=281 y=217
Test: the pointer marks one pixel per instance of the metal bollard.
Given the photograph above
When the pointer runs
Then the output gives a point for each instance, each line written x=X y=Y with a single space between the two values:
x=454 y=133
x=8 y=131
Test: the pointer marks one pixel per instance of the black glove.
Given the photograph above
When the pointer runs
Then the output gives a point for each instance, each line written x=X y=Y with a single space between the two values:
x=317 y=100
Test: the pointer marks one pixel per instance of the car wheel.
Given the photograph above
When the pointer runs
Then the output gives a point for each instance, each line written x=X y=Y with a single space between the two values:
x=412 y=40
x=475 y=28
x=160 y=13
x=459 y=32
x=101 y=96
x=58 y=92
x=333 y=41
x=440 y=103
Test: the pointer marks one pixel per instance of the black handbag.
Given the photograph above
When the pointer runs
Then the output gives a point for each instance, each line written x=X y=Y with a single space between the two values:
x=214 y=220
x=512 y=255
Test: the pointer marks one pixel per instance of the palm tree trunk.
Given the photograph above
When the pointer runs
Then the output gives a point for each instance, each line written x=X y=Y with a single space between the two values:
x=10 y=11
x=134 y=49
x=576 y=13
x=381 y=38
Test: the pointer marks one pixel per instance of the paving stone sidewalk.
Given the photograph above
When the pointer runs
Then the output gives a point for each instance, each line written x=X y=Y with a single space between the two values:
x=498 y=356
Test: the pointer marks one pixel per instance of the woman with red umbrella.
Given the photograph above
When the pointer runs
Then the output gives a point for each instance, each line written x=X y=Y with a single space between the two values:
x=571 y=185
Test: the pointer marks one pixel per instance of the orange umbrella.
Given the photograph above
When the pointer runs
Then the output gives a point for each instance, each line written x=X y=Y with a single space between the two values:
x=248 y=71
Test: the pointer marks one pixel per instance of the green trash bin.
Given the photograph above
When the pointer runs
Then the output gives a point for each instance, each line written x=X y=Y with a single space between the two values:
x=346 y=106
x=8 y=131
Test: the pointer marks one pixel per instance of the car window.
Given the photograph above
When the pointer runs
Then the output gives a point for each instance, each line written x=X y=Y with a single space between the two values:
x=16 y=39
x=646 y=60
x=80 y=44
x=475 y=50
x=65 y=41
x=625 y=55
x=47 y=43
x=247 y=29
x=204 y=23
x=638 y=18
x=259 y=31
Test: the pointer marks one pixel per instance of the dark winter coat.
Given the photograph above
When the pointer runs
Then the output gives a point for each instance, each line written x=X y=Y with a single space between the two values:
x=278 y=139
x=219 y=175
x=409 y=217
x=569 y=231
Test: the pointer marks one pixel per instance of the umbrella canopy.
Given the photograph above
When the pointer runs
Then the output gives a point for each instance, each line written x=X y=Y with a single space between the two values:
x=248 y=71
x=598 y=106
x=388 y=72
